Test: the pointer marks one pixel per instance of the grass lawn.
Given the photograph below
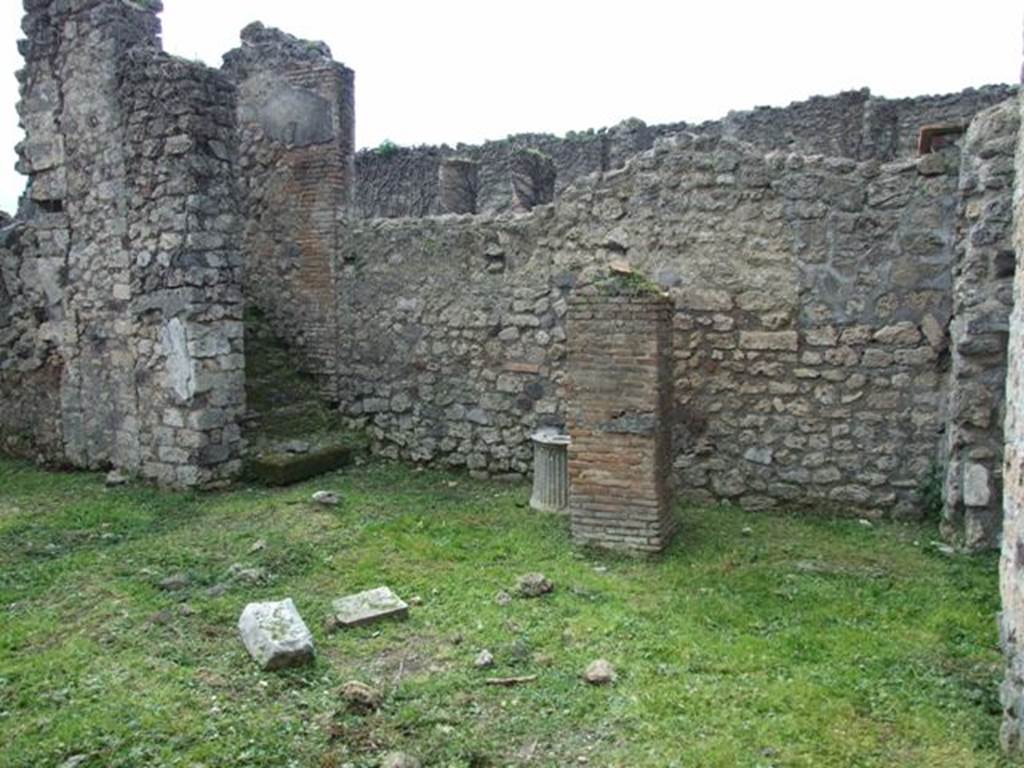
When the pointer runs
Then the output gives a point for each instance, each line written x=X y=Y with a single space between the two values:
x=808 y=643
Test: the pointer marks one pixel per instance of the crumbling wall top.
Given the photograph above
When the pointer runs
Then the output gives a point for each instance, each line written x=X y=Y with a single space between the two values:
x=264 y=46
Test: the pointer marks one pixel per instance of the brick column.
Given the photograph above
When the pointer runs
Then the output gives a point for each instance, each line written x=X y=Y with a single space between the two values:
x=619 y=408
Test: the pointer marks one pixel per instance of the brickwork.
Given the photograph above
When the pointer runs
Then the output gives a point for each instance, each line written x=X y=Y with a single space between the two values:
x=297 y=123
x=620 y=417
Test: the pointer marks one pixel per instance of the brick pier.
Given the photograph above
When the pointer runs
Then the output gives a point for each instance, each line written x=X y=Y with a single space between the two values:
x=619 y=413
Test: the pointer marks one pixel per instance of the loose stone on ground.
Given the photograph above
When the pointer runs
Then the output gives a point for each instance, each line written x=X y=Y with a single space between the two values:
x=534 y=585
x=368 y=607
x=275 y=635
x=326 y=498
x=360 y=697
x=600 y=672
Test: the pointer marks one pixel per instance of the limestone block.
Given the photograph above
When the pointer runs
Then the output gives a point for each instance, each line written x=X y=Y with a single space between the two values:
x=275 y=635
x=977 y=492
x=369 y=607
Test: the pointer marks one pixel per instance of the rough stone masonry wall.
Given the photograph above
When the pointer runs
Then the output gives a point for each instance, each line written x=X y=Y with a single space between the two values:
x=118 y=151
x=452 y=333
x=808 y=293
x=296 y=117
x=982 y=301
x=396 y=182
x=1011 y=563
x=186 y=277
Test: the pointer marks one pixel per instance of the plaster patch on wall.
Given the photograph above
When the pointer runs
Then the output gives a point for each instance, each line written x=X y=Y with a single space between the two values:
x=181 y=374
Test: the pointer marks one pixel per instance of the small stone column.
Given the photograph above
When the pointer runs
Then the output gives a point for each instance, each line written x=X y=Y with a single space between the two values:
x=458 y=183
x=533 y=179
x=550 y=471
x=620 y=404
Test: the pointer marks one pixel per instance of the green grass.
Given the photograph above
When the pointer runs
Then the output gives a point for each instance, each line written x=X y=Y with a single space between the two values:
x=731 y=650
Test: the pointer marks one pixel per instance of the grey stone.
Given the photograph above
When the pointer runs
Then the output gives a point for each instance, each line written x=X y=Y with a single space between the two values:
x=977 y=491
x=115 y=478
x=369 y=607
x=760 y=455
x=533 y=585
x=251 y=575
x=175 y=583
x=484 y=660
x=360 y=697
x=326 y=498
x=600 y=672
x=400 y=760
x=275 y=635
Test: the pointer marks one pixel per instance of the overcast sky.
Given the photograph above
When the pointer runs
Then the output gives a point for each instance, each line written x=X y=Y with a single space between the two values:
x=432 y=71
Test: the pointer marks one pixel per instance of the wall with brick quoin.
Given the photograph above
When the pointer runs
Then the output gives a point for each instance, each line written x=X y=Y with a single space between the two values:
x=812 y=296
x=620 y=417
x=297 y=133
x=812 y=293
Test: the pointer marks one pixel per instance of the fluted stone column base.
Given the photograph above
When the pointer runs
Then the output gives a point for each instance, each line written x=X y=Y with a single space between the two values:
x=550 y=472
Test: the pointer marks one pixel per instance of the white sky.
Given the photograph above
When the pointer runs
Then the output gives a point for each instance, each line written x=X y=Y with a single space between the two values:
x=432 y=71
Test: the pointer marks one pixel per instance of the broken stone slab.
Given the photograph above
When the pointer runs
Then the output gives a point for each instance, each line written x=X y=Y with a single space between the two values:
x=368 y=607
x=275 y=635
x=287 y=468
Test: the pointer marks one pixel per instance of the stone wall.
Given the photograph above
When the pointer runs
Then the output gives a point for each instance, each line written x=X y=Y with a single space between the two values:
x=982 y=300
x=452 y=333
x=296 y=117
x=30 y=362
x=1011 y=563
x=185 y=308
x=396 y=182
x=122 y=272
x=811 y=297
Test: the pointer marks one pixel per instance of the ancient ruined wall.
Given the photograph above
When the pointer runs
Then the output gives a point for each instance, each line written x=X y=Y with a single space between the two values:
x=183 y=231
x=982 y=300
x=452 y=337
x=1011 y=563
x=296 y=117
x=854 y=124
x=74 y=244
x=811 y=295
x=403 y=181
x=30 y=327
x=114 y=323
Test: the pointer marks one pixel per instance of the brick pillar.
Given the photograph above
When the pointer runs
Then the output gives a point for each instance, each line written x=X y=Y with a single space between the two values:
x=296 y=115
x=619 y=407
